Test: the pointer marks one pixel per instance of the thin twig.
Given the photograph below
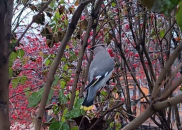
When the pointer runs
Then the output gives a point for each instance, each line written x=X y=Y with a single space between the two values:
x=17 y=42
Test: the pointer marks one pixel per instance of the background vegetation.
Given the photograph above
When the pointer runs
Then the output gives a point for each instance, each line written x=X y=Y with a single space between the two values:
x=44 y=61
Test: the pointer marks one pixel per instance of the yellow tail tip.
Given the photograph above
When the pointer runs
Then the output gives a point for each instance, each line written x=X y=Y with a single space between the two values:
x=86 y=108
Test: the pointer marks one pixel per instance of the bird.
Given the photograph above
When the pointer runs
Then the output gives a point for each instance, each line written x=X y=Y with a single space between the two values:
x=100 y=71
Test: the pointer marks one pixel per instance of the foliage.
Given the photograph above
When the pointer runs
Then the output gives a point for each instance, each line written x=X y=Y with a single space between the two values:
x=165 y=6
x=161 y=6
x=178 y=16
x=140 y=41
x=59 y=126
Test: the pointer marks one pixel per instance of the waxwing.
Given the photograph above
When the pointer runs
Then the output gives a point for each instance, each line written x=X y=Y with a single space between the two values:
x=100 y=71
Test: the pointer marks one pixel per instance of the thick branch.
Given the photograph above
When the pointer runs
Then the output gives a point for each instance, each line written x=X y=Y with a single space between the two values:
x=170 y=90
x=6 y=8
x=166 y=70
x=151 y=110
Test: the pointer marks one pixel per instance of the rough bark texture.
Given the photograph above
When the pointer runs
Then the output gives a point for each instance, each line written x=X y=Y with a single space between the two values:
x=6 y=8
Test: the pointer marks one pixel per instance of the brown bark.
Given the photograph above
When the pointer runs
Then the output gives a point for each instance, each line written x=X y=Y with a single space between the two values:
x=6 y=8
x=166 y=70
x=128 y=100
x=151 y=110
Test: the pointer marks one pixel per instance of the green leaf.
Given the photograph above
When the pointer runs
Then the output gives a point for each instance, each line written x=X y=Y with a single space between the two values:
x=50 y=96
x=56 y=80
x=57 y=15
x=113 y=4
x=52 y=24
x=77 y=93
x=62 y=97
x=104 y=93
x=20 y=53
x=75 y=128
x=22 y=79
x=72 y=56
x=12 y=58
x=69 y=95
x=15 y=82
x=35 y=98
x=65 y=67
x=78 y=103
x=162 y=33
x=63 y=84
x=66 y=22
x=178 y=16
x=62 y=2
x=18 y=80
x=64 y=113
x=161 y=6
x=59 y=126
x=63 y=59
x=75 y=112
x=10 y=72
x=118 y=126
x=27 y=92
x=47 y=62
x=56 y=109
x=111 y=124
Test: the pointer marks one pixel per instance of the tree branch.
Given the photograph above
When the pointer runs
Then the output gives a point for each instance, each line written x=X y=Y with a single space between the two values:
x=151 y=110
x=17 y=42
x=56 y=62
x=166 y=70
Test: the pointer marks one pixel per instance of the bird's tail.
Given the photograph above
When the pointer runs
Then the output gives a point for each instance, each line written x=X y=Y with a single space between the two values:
x=87 y=104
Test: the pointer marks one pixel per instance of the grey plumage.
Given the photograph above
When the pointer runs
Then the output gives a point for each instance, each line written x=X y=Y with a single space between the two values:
x=99 y=73
x=101 y=64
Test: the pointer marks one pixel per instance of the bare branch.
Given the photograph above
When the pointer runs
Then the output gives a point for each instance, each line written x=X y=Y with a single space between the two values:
x=166 y=70
x=151 y=110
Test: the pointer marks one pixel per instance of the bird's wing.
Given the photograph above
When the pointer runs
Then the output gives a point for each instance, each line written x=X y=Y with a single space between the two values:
x=105 y=66
x=98 y=72
x=94 y=81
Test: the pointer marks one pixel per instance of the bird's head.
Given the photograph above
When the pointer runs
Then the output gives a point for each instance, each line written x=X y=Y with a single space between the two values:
x=98 y=47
